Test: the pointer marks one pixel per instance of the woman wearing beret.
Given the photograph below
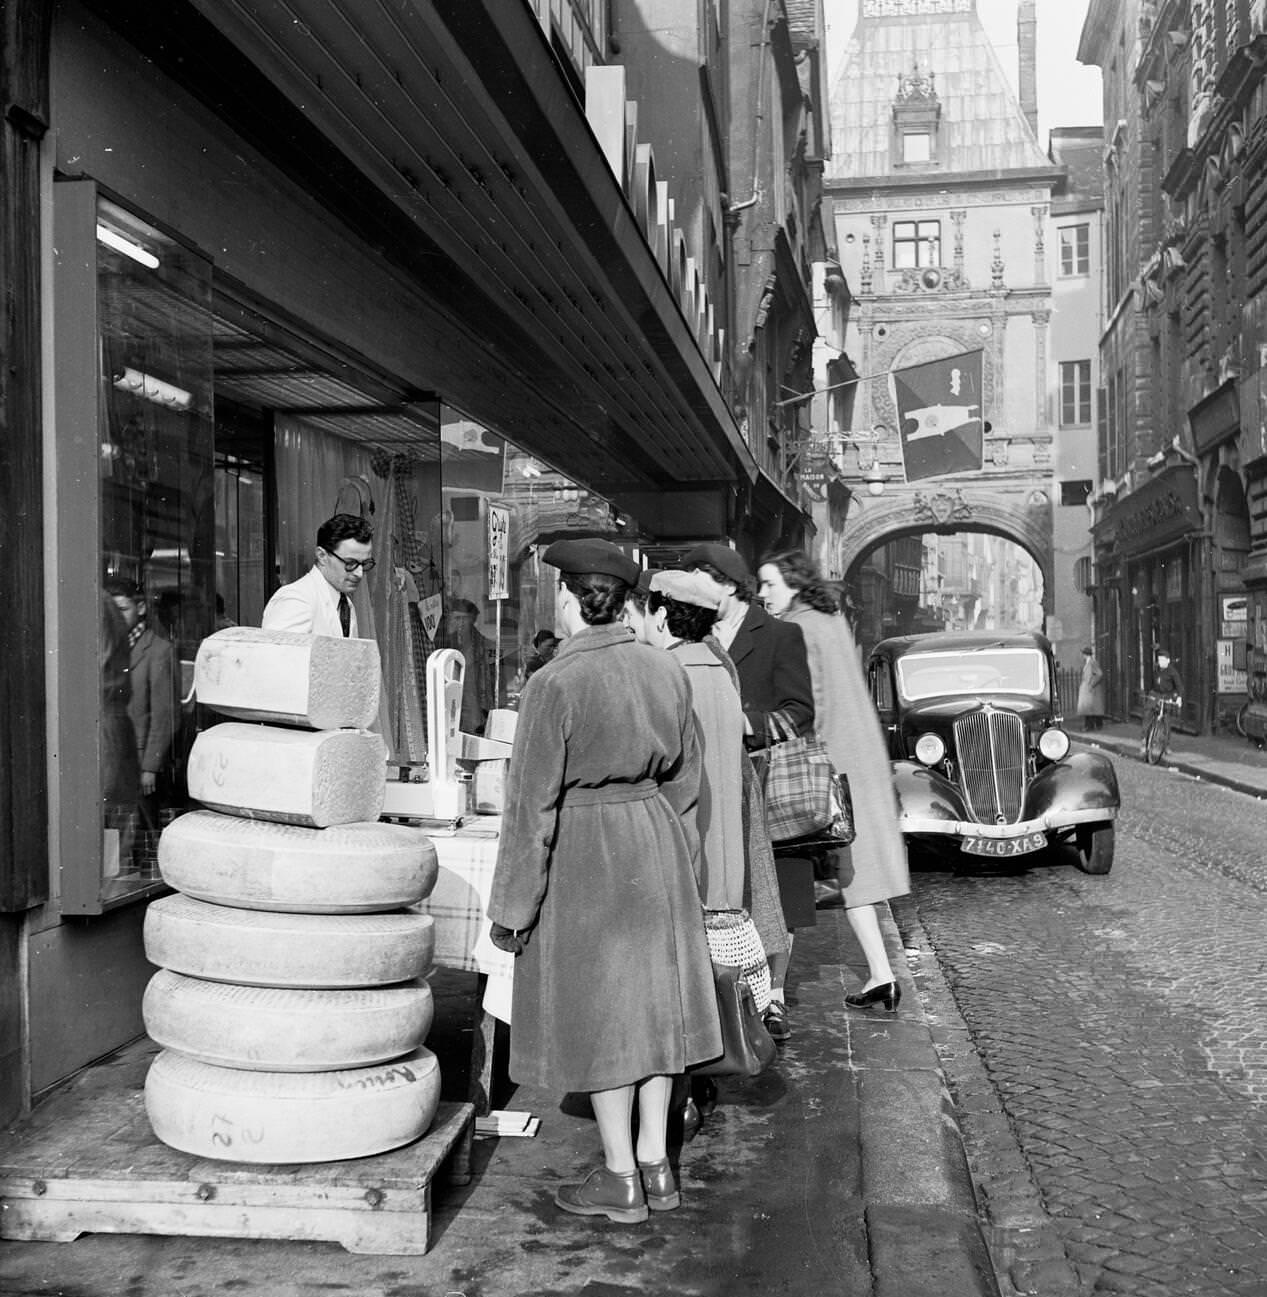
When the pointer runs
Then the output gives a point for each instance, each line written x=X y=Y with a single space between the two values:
x=595 y=887
x=874 y=868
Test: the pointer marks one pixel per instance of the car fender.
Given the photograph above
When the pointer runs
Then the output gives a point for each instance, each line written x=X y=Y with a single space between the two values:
x=1083 y=781
x=923 y=794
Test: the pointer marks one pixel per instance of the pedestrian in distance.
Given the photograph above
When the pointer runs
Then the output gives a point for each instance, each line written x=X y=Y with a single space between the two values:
x=769 y=656
x=1091 y=692
x=874 y=869
x=1166 y=686
x=595 y=890
x=321 y=601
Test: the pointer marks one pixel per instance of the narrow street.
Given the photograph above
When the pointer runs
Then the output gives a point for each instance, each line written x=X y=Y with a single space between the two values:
x=1104 y=1040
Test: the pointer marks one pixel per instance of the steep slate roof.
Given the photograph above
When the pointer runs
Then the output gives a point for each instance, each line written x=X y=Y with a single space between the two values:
x=982 y=126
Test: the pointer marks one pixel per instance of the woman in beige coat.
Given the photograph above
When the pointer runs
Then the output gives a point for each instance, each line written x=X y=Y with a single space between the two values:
x=874 y=869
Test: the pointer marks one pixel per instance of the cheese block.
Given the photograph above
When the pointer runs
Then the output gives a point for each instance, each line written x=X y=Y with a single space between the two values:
x=258 y=865
x=275 y=1029
x=264 y=948
x=318 y=681
x=310 y=777
x=287 y=1117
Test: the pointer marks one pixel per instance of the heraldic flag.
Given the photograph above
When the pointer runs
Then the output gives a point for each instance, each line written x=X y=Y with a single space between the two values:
x=940 y=420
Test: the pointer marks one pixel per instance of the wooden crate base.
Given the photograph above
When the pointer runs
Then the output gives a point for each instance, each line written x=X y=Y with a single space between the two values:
x=87 y=1161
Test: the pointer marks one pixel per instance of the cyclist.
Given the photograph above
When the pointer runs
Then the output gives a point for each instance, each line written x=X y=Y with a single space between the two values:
x=1168 y=686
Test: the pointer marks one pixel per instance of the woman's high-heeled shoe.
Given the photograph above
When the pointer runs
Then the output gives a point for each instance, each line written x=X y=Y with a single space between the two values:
x=660 y=1185
x=888 y=994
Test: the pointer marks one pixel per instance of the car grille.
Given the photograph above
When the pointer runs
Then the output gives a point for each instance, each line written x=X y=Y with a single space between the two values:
x=991 y=748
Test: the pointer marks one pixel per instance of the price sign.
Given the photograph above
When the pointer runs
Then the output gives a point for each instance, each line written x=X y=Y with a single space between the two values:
x=498 y=552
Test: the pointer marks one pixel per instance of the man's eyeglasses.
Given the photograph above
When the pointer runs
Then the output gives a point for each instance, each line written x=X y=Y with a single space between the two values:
x=351 y=564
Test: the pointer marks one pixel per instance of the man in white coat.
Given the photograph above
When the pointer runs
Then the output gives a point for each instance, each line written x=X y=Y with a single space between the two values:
x=320 y=602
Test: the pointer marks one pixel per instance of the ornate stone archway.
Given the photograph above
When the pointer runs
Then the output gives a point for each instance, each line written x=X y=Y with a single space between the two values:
x=1018 y=510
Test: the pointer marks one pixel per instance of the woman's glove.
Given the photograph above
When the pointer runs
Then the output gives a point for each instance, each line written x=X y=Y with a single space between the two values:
x=510 y=940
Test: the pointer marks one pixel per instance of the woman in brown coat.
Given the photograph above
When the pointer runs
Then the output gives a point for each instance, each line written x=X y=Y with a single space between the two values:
x=874 y=868
x=595 y=886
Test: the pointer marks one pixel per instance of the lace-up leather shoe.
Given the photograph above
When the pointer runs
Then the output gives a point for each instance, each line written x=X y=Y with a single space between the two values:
x=660 y=1186
x=606 y=1193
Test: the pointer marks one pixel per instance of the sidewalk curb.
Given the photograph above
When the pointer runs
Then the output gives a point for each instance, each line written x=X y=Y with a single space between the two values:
x=1124 y=748
x=924 y=1228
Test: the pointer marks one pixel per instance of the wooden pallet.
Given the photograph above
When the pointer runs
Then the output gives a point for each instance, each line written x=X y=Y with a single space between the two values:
x=87 y=1161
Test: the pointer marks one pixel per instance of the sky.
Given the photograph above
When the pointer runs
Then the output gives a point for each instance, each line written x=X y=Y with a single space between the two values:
x=1068 y=92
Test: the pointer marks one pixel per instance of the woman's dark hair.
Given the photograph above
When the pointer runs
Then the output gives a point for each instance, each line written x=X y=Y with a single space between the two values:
x=801 y=574
x=686 y=621
x=638 y=598
x=745 y=590
x=602 y=597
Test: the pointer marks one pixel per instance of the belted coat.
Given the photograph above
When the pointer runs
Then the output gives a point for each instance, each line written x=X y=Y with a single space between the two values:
x=597 y=859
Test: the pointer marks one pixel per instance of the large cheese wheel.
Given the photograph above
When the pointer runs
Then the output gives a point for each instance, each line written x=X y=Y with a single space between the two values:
x=264 y=948
x=345 y=869
x=314 y=778
x=319 y=681
x=281 y=1117
x=271 y=1029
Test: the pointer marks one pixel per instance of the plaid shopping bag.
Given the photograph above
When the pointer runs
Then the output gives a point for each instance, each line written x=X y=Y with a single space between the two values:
x=804 y=795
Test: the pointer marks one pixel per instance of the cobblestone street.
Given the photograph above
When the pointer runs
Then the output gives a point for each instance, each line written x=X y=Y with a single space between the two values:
x=1106 y=1043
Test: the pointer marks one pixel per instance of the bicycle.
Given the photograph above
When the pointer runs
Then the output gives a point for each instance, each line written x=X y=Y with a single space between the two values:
x=1157 y=736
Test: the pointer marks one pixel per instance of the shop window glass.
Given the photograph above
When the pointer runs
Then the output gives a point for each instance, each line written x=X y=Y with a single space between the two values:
x=156 y=535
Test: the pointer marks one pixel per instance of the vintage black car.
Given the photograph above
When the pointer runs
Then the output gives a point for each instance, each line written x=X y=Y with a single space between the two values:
x=981 y=763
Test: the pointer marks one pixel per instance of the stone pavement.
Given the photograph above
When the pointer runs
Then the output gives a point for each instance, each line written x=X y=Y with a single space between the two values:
x=1226 y=759
x=841 y=1170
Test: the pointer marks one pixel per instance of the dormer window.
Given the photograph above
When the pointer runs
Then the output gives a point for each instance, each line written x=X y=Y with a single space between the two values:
x=916 y=120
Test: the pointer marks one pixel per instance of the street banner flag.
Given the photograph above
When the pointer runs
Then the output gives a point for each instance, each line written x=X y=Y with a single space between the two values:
x=940 y=421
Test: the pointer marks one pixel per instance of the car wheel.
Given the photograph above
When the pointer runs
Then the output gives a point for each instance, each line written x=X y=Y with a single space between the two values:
x=1095 y=848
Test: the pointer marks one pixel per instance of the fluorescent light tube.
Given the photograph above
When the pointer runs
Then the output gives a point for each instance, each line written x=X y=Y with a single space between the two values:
x=129 y=249
x=153 y=389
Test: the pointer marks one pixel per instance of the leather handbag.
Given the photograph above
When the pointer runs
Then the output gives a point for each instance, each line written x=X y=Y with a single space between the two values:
x=807 y=800
x=747 y=1047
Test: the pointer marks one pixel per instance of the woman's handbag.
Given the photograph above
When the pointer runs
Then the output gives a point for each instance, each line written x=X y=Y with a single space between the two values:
x=747 y=1047
x=807 y=799
x=733 y=940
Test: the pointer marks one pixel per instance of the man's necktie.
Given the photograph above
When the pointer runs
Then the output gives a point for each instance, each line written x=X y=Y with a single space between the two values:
x=345 y=615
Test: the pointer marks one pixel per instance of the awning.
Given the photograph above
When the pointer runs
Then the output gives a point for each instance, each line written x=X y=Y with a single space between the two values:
x=447 y=137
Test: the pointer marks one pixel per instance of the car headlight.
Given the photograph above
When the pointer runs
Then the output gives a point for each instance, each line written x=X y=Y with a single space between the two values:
x=1053 y=744
x=929 y=749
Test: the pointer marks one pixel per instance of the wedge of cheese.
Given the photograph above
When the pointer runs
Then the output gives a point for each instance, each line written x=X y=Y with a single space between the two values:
x=242 y=1116
x=263 y=948
x=346 y=869
x=317 y=681
x=314 y=778
x=272 y=1029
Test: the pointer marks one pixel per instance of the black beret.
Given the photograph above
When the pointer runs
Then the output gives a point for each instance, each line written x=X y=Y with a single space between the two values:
x=728 y=562
x=580 y=556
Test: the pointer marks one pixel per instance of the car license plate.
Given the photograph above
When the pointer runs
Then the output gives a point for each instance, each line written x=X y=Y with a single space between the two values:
x=1005 y=847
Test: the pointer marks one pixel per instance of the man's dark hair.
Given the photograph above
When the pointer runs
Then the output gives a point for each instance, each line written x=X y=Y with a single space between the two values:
x=343 y=526
x=122 y=587
x=686 y=621
x=543 y=637
x=745 y=590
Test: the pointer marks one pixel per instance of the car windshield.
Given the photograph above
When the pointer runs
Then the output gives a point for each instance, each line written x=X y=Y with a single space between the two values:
x=975 y=671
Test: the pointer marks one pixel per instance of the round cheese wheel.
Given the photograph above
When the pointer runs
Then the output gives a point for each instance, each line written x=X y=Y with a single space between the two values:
x=241 y=1116
x=265 y=948
x=279 y=1029
x=258 y=865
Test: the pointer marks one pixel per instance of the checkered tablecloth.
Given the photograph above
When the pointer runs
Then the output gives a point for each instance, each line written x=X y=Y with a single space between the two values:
x=459 y=905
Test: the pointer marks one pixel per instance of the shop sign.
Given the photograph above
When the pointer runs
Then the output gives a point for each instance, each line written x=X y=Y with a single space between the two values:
x=1162 y=510
x=1233 y=615
x=1216 y=418
x=498 y=552
x=1230 y=679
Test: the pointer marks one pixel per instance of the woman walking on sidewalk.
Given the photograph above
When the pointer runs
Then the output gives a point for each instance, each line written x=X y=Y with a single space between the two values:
x=874 y=868
x=595 y=888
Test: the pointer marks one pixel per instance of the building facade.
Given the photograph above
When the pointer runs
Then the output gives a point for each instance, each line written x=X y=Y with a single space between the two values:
x=417 y=262
x=1181 y=438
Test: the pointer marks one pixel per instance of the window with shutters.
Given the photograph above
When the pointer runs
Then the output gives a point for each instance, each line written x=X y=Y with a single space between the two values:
x=1075 y=393
x=1075 y=250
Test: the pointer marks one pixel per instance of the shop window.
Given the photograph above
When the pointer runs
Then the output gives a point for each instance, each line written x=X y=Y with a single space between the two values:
x=1075 y=251
x=1075 y=393
x=136 y=543
x=916 y=243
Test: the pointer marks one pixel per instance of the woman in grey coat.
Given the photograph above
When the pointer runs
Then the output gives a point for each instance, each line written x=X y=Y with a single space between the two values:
x=595 y=888
x=874 y=868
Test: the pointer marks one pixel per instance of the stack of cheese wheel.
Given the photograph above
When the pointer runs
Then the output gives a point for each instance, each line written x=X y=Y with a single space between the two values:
x=291 y=1000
